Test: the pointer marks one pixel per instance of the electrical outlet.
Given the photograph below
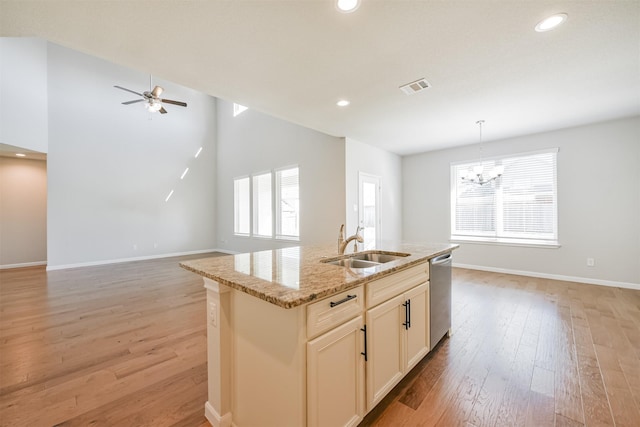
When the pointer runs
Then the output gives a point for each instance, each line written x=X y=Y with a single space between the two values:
x=135 y=246
x=213 y=314
x=155 y=245
x=591 y=262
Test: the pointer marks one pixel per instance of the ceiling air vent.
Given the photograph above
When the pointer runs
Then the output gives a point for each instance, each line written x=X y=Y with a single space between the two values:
x=415 y=87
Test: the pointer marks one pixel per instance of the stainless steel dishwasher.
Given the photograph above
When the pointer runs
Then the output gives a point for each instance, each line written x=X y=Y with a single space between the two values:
x=440 y=297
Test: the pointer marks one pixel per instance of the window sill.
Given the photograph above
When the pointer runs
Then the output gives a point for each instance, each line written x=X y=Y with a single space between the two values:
x=277 y=238
x=506 y=242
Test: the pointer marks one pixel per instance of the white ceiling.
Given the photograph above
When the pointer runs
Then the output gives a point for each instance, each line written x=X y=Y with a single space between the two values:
x=296 y=59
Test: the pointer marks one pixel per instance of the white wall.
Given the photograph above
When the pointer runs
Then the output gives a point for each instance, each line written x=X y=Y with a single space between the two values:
x=23 y=212
x=598 y=198
x=254 y=142
x=111 y=166
x=23 y=93
x=388 y=166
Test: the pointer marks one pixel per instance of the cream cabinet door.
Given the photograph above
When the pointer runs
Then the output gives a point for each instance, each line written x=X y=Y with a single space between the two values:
x=417 y=332
x=335 y=376
x=384 y=349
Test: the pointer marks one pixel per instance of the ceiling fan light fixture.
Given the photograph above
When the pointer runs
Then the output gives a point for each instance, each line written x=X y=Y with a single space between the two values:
x=551 y=22
x=154 y=106
x=347 y=6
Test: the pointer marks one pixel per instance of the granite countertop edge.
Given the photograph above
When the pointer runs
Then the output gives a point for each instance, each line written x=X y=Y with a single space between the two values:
x=284 y=297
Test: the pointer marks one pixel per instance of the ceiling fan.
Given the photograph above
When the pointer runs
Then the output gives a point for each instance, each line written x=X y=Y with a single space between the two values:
x=152 y=98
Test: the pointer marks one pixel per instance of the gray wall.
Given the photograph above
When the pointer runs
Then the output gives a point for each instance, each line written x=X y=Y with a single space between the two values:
x=254 y=142
x=23 y=212
x=388 y=166
x=112 y=166
x=23 y=93
x=598 y=204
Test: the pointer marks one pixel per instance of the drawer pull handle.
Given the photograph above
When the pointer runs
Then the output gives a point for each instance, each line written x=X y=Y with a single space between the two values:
x=407 y=314
x=345 y=299
x=364 y=353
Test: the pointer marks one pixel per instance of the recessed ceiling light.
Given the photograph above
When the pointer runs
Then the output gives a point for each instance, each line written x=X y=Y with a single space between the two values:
x=551 y=22
x=21 y=155
x=342 y=103
x=347 y=6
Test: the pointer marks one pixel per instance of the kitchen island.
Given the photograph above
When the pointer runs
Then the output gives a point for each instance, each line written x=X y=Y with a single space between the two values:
x=294 y=340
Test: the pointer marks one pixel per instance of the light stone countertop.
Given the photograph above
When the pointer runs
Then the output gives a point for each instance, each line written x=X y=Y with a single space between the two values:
x=290 y=277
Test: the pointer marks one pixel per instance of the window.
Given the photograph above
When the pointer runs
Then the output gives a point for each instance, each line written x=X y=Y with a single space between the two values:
x=266 y=202
x=241 y=206
x=238 y=109
x=262 y=214
x=288 y=203
x=520 y=207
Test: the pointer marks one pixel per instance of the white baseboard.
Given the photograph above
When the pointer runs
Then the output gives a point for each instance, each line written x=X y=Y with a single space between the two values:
x=227 y=251
x=120 y=260
x=23 y=265
x=214 y=418
x=588 y=280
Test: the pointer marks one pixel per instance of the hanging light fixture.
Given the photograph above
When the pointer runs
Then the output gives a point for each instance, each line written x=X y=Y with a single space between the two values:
x=476 y=175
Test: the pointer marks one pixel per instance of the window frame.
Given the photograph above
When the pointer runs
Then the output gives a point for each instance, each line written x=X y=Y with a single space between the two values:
x=498 y=236
x=277 y=205
x=236 y=208
x=275 y=198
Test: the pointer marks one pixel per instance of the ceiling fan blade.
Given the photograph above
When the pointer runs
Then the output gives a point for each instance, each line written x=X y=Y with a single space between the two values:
x=133 y=102
x=157 y=91
x=162 y=110
x=128 y=90
x=169 y=101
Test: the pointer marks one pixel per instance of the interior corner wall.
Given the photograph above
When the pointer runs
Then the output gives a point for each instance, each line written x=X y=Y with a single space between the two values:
x=598 y=203
x=254 y=142
x=23 y=212
x=23 y=93
x=111 y=166
x=365 y=158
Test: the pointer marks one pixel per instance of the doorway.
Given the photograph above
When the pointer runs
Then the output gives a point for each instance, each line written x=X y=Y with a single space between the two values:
x=369 y=209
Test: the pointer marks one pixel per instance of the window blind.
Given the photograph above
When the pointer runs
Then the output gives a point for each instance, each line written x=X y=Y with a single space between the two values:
x=518 y=207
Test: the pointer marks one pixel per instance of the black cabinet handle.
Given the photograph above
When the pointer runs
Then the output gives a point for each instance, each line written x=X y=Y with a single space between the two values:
x=407 y=314
x=345 y=299
x=407 y=323
x=364 y=353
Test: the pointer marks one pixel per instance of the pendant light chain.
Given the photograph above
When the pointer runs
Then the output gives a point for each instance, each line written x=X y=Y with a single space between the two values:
x=476 y=175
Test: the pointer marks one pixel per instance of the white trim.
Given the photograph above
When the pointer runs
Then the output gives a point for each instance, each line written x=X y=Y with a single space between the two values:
x=588 y=280
x=214 y=418
x=120 y=260
x=227 y=251
x=501 y=241
x=22 y=265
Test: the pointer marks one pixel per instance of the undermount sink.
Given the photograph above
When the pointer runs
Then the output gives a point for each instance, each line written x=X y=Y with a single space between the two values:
x=365 y=259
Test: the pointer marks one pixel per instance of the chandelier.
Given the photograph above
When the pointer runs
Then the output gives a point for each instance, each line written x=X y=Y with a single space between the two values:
x=476 y=174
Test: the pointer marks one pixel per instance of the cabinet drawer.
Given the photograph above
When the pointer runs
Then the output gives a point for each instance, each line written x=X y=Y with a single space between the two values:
x=388 y=287
x=330 y=312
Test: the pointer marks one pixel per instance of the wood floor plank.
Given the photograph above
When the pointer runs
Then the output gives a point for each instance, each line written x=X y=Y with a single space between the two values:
x=103 y=345
x=126 y=345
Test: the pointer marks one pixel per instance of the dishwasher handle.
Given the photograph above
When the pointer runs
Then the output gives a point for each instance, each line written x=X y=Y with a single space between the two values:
x=442 y=259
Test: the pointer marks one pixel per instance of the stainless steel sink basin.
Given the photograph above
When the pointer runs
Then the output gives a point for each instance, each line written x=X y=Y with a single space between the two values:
x=365 y=259
x=353 y=263
x=379 y=257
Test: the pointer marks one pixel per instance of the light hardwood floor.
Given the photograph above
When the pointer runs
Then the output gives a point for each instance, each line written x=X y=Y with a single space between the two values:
x=125 y=345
